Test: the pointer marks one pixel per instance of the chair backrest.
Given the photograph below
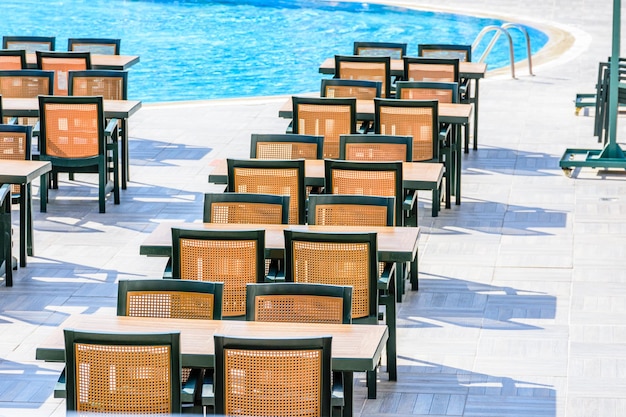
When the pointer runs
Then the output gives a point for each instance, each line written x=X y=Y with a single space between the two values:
x=71 y=127
x=374 y=147
x=382 y=179
x=443 y=92
x=327 y=117
x=461 y=52
x=26 y=83
x=15 y=144
x=12 y=59
x=6 y=257
x=29 y=43
x=268 y=176
x=351 y=210
x=337 y=259
x=250 y=208
x=286 y=146
x=431 y=69
x=123 y=373
x=360 y=89
x=61 y=63
x=273 y=377
x=101 y=46
x=372 y=68
x=417 y=118
x=299 y=303
x=394 y=50
x=110 y=84
x=170 y=298
x=232 y=257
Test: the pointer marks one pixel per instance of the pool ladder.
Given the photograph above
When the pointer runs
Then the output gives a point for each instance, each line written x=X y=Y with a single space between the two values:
x=504 y=30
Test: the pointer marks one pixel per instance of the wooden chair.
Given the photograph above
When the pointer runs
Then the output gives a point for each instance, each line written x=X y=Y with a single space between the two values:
x=431 y=69
x=61 y=63
x=6 y=256
x=279 y=177
x=375 y=147
x=110 y=84
x=26 y=83
x=101 y=46
x=12 y=59
x=394 y=50
x=273 y=377
x=29 y=43
x=372 y=68
x=74 y=139
x=123 y=373
x=247 y=208
x=286 y=146
x=419 y=119
x=327 y=117
x=343 y=259
x=232 y=257
x=360 y=89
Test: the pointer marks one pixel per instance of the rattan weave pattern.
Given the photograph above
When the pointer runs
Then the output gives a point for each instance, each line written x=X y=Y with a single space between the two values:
x=363 y=182
x=430 y=72
x=336 y=264
x=350 y=215
x=82 y=119
x=375 y=152
x=263 y=382
x=281 y=181
x=325 y=120
x=299 y=308
x=170 y=304
x=372 y=71
x=443 y=96
x=410 y=121
x=23 y=86
x=108 y=87
x=10 y=62
x=13 y=146
x=248 y=212
x=123 y=378
x=460 y=54
x=61 y=66
x=232 y=262
x=361 y=93
x=286 y=150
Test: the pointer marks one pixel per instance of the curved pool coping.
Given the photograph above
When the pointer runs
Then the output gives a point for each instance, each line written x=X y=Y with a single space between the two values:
x=564 y=44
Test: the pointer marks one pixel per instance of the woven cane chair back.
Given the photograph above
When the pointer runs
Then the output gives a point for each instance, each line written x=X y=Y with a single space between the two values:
x=286 y=146
x=111 y=85
x=371 y=68
x=12 y=59
x=61 y=63
x=15 y=144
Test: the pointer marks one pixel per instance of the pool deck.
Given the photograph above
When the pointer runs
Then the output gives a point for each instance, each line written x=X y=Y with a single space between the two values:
x=522 y=302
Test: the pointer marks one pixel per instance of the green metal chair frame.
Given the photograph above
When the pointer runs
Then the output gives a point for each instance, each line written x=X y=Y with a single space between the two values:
x=349 y=199
x=18 y=53
x=102 y=46
x=169 y=340
x=328 y=83
x=99 y=78
x=31 y=78
x=385 y=60
x=395 y=50
x=6 y=257
x=62 y=66
x=247 y=198
x=28 y=43
x=99 y=164
x=376 y=139
x=286 y=138
x=224 y=344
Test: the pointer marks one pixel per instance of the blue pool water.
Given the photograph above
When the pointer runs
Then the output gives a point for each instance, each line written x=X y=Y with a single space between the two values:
x=204 y=49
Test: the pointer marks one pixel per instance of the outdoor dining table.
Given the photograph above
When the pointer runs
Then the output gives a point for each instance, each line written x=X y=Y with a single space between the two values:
x=119 y=109
x=23 y=173
x=355 y=347
x=101 y=62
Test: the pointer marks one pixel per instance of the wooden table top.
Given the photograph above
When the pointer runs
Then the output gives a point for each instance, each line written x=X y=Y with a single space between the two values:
x=416 y=175
x=355 y=347
x=459 y=113
x=395 y=244
x=22 y=172
x=112 y=62
x=29 y=107
x=474 y=70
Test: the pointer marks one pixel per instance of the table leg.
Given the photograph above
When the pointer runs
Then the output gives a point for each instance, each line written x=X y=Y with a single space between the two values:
x=457 y=165
x=348 y=393
x=24 y=219
x=125 y=156
x=371 y=384
x=414 y=274
x=475 y=117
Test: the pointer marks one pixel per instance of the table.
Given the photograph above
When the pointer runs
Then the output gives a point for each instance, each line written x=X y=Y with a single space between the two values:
x=416 y=176
x=454 y=113
x=119 y=109
x=109 y=62
x=355 y=348
x=23 y=173
x=471 y=70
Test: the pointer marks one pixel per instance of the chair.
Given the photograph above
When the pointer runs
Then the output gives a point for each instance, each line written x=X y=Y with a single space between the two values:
x=273 y=377
x=360 y=89
x=247 y=208
x=232 y=257
x=394 y=50
x=327 y=117
x=419 y=119
x=372 y=68
x=286 y=146
x=375 y=147
x=383 y=179
x=26 y=83
x=110 y=84
x=74 y=139
x=6 y=256
x=431 y=69
x=461 y=52
x=29 y=43
x=279 y=177
x=12 y=59
x=123 y=373
x=351 y=210
x=61 y=63
x=345 y=259
x=101 y=46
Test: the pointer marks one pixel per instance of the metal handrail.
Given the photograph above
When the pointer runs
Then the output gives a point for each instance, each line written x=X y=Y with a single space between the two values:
x=522 y=29
x=499 y=31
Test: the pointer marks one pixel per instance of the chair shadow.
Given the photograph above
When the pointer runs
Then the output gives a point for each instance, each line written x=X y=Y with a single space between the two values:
x=491 y=160
x=150 y=152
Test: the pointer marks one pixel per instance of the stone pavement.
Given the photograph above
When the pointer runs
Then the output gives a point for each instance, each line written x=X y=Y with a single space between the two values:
x=521 y=307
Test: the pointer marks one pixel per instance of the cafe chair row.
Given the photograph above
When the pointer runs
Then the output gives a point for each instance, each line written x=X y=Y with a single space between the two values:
x=103 y=46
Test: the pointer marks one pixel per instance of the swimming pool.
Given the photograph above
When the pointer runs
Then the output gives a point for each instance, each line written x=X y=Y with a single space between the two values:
x=204 y=49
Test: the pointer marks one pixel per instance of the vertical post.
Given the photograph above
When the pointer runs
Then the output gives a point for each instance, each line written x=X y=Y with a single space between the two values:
x=614 y=76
